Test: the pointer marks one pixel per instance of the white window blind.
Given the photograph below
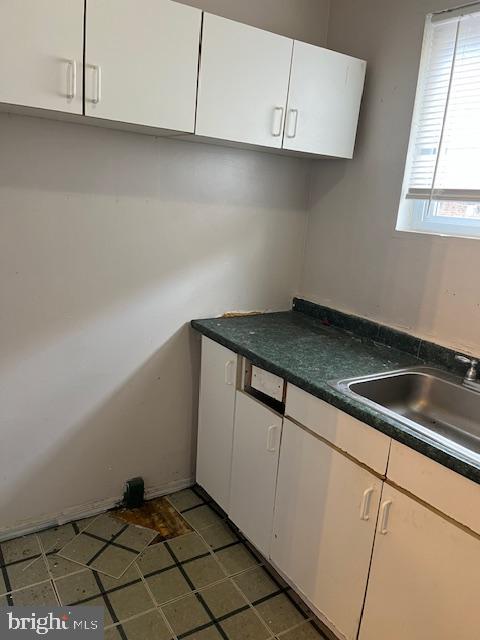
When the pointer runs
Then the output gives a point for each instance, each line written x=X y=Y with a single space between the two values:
x=442 y=176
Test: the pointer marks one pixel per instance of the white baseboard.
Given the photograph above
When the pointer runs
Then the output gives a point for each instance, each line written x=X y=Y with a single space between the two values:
x=87 y=510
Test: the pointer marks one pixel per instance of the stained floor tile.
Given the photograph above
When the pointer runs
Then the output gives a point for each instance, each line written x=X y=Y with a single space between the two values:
x=159 y=515
x=253 y=604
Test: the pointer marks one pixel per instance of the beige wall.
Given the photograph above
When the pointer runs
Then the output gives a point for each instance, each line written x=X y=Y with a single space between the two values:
x=305 y=20
x=110 y=243
x=354 y=259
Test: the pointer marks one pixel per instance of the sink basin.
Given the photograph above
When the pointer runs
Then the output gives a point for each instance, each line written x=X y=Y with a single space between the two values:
x=430 y=401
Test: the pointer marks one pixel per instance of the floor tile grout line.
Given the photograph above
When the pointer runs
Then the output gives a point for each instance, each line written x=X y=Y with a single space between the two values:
x=109 y=605
x=257 y=614
x=157 y=607
x=197 y=595
x=6 y=577
x=47 y=565
x=111 y=543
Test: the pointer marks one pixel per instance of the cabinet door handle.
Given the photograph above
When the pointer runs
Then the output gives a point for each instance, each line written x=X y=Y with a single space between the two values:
x=71 y=79
x=384 y=513
x=228 y=372
x=271 y=438
x=277 y=121
x=366 y=500
x=292 y=132
x=97 y=70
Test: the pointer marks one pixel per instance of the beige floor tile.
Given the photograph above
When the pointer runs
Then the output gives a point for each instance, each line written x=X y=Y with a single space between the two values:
x=77 y=587
x=105 y=526
x=184 y=499
x=149 y=626
x=168 y=585
x=186 y=614
x=203 y=571
x=99 y=602
x=20 y=548
x=279 y=613
x=154 y=558
x=256 y=584
x=202 y=517
x=60 y=567
x=245 y=626
x=235 y=559
x=128 y=601
x=136 y=537
x=81 y=549
x=304 y=632
x=24 y=574
x=223 y=598
x=37 y=596
x=113 y=561
x=188 y=546
x=219 y=535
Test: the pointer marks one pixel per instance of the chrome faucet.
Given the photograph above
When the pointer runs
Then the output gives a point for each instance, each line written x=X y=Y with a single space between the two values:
x=471 y=377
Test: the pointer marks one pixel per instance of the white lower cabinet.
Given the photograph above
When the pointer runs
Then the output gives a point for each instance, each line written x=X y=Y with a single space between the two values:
x=256 y=448
x=215 y=420
x=324 y=526
x=425 y=577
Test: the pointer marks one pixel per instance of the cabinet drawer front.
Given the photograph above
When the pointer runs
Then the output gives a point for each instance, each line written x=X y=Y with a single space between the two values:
x=362 y=442
x=454 y=495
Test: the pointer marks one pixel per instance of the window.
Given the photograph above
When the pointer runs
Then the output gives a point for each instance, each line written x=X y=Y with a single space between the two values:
x=441 y=189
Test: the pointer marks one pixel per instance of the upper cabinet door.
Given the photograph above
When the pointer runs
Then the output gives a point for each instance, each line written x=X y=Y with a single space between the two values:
x=243 y=83
x=142 y=62
x=323 y=101
x=41 y=53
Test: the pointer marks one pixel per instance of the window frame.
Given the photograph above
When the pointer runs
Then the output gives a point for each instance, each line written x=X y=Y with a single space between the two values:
x=415 y=213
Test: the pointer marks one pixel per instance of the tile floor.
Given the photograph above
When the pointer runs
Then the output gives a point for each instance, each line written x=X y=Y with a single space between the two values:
x=203 y=585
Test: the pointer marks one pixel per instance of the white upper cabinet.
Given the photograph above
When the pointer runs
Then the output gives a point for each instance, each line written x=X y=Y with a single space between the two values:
x=425 y=576
x=142 y=62
x=243 y=83
x=41 y=54
x=323 y=101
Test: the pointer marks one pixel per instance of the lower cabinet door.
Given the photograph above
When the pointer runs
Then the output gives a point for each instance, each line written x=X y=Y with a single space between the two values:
x=216 y=411
x=425 y=578
x=256 y=446
x=324 y=526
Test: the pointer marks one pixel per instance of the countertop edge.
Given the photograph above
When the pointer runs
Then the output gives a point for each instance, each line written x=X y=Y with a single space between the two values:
x=376 y=420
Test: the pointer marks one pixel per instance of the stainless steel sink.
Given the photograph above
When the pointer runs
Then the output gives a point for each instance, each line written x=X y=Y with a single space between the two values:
x=430 y=401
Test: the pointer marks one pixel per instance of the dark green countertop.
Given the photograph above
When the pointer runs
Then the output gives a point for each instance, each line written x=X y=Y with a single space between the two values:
x=309 y=354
